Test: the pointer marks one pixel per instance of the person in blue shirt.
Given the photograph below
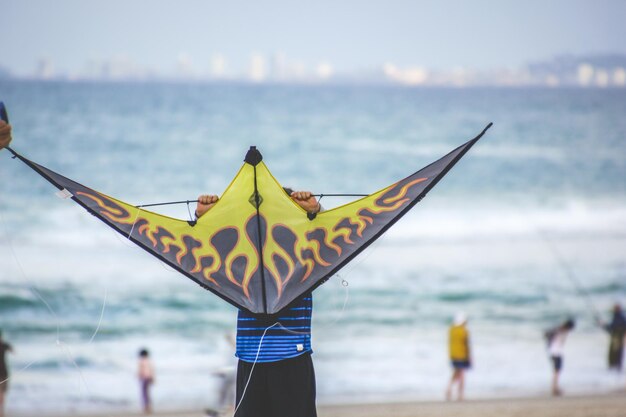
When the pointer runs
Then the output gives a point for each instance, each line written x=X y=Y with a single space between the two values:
x=275 y=375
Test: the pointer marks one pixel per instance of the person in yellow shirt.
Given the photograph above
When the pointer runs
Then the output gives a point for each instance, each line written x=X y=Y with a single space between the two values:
x=459 y=354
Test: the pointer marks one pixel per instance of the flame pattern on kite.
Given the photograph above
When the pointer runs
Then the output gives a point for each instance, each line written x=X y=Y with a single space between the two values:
x=228 y=255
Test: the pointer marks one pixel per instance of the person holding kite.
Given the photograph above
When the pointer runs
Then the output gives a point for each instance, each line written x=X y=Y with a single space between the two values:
x=275 y=375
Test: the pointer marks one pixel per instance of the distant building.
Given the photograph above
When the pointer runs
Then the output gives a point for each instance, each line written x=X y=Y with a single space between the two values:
x=407 y=76
x=45 y=69
x=619 y=77
x=218 y=67
x=257 y=70
x=184 y=66
x=585 y=75
x=324 y=71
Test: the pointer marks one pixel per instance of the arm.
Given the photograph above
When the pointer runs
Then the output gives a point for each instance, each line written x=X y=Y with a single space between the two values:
x=205 y=203
x=307 y=201
x=5 y=134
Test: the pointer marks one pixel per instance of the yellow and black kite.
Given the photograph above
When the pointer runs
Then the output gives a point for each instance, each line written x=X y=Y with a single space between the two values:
x=256 y=248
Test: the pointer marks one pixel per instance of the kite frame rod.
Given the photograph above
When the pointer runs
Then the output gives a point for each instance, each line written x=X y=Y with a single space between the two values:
x=195 y=201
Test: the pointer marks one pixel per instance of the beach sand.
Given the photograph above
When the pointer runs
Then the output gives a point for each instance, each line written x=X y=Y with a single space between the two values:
x=611 y=405
x=588 y=406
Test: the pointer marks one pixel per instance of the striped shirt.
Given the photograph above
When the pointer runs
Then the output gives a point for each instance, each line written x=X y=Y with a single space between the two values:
x=290 y=337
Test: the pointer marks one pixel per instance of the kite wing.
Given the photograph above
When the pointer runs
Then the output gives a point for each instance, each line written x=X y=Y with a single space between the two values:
x=257 y=248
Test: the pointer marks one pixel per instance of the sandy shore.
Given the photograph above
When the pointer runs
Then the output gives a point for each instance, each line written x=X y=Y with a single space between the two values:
x=596 y=406
x=611 y=405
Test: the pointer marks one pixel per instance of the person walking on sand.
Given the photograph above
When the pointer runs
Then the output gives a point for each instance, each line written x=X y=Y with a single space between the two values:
x=275 y=375
x=459 y=354
x=4 y=372
x=617 y=333
x=556 y=343
x=145 y=373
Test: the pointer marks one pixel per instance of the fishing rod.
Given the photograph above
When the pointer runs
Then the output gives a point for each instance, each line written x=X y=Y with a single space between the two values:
x=569 y=273
x=167 y=203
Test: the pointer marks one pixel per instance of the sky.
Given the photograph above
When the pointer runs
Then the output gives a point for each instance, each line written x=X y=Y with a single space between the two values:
x=350 y=35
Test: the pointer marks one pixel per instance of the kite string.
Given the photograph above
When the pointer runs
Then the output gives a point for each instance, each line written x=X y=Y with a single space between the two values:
x=65 y=347
x=24 y=277
x=258 y=352
x=130 y=245
x=344 y=283
x=104 y=303
x=134 y=223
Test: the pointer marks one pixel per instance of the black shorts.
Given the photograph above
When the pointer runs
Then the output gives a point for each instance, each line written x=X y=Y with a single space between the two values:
x=277 y=389
x=557 y=362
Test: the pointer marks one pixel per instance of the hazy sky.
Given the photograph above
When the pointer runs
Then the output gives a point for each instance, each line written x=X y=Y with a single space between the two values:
x=350 y=34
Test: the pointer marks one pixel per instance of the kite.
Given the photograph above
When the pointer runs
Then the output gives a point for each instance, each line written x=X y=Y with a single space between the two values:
x=257 y=248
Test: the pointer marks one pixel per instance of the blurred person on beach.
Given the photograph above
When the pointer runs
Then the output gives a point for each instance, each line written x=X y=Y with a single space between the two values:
x=555 y=338
x=226 y=375
x=5 y=140
x=145 y=373
x=4 y=372
x=275 y=375
x=5 y=134
x=617 y=333
x=460 y=355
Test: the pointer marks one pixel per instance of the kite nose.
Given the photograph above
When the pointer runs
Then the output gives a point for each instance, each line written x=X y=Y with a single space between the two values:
x=253 y=157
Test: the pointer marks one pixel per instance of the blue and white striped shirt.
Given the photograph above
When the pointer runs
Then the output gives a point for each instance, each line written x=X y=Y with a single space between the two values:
x=287 y=339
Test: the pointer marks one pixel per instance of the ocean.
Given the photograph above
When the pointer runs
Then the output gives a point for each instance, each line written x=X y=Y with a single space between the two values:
x=527 y=230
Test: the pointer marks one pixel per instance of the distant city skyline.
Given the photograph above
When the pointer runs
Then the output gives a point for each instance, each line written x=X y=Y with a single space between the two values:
x=411 y=41
x=603 y=71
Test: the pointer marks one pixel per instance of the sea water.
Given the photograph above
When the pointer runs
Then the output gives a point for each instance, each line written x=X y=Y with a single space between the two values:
x=527 y=230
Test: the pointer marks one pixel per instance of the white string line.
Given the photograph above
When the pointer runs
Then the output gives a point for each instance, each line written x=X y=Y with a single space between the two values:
x=104 y=303
x=23 y=275
x=126 y=239
x=32 y=288
x=20 y=370
x=243 y=394
x=134 y=223
x=66 y=348
x=344 y=283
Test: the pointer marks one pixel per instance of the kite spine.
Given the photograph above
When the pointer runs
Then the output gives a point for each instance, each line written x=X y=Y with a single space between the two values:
x=253 y=157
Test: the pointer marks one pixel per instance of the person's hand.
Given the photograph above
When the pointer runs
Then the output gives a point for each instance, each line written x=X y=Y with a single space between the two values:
x=205 y=203
x=5 y=134
x=307 y=201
